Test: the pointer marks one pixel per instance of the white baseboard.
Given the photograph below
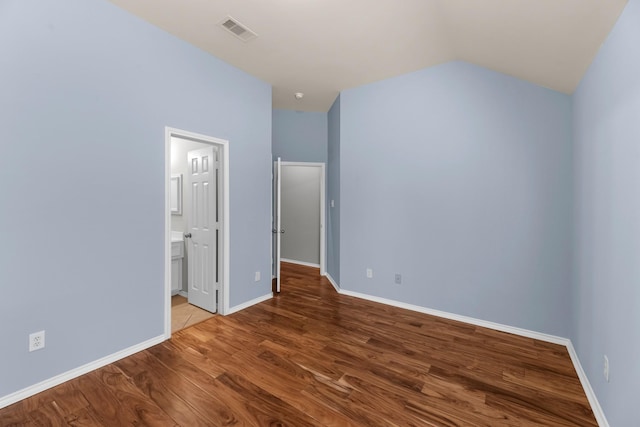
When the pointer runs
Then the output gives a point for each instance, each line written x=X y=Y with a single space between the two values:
x=306 y=264
x=74 y=373
x=333 y=282
x=183 y=294
x=591 y=396
x=586 y=385
x=91 y=366
x=471 y=320
x=249 y=303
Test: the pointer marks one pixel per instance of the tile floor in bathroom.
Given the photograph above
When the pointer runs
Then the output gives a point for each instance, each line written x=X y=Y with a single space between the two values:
x=184 y=314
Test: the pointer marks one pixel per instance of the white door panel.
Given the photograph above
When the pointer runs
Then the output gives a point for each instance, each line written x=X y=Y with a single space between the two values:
x=202 y=236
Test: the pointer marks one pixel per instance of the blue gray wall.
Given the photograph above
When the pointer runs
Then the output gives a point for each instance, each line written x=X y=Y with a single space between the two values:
x=299 y=136
x=456 y=177
x=460 y=179
x=607 y=246
x=87 y=90
x=333 y=192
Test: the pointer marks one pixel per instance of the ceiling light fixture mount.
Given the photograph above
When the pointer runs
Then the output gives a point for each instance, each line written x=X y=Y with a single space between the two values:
x=299 y=95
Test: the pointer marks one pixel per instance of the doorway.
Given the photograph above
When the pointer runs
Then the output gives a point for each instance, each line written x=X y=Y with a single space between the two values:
x=299 y=216
x=196 y=221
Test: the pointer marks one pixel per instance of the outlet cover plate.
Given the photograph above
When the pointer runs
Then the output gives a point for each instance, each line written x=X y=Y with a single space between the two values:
x=36 y=341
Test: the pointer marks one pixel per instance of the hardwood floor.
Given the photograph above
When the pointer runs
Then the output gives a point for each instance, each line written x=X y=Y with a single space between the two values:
x=312 y=357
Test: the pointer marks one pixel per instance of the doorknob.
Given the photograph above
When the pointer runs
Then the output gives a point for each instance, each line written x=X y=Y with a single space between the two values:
x=274 y=231
x=187 y=235
x=282 y=231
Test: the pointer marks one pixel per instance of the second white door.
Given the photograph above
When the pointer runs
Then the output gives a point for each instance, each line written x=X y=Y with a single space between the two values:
x=203 y=227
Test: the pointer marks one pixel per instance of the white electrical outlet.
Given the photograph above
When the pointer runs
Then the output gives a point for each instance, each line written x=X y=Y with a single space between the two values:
x=369 y=273
x=606 y=368
x=36 y=341
x=257 y=277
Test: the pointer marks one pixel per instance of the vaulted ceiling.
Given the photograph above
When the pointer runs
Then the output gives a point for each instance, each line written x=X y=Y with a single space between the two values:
x=320 y=47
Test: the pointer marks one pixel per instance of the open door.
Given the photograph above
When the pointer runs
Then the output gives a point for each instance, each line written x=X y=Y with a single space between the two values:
x=277 y=225
x=203 y=227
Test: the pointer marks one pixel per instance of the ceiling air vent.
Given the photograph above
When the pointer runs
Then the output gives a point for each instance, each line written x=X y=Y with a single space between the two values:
x=237 y=29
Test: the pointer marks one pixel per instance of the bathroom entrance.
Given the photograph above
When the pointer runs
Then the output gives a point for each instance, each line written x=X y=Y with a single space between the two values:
x=197 y=201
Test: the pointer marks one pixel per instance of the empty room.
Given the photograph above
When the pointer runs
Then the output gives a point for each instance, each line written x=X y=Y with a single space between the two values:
x=420 y=212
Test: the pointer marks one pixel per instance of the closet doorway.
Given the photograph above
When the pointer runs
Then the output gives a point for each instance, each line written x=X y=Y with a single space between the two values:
x=299 y=215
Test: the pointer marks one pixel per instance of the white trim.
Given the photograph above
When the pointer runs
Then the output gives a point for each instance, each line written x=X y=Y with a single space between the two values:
x=183 y=293
x=333 y=282
x=310 y=164
x=167 y=233
x=323 y=221
x=249 y=303
x=457 y=317
x=584 y=380
x=223 y=146
x=226 y=218
x=306 y=264
x=74 y=373
x=586 y=385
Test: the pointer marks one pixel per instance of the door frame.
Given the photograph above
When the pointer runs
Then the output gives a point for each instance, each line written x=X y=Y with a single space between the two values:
x=223 y=146
x=323 y=213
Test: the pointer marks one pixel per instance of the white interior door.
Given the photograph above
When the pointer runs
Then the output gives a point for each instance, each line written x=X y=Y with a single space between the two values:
x=203 y=227
x=277 y=222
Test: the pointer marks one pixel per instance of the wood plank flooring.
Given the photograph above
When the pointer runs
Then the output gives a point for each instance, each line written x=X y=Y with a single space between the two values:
x=312 y=357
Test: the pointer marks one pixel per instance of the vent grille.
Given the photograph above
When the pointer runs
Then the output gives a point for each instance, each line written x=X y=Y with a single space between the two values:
x=237 y=29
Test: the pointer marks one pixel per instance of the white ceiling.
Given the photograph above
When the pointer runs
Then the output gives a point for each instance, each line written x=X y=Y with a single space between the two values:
x=321 y=47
